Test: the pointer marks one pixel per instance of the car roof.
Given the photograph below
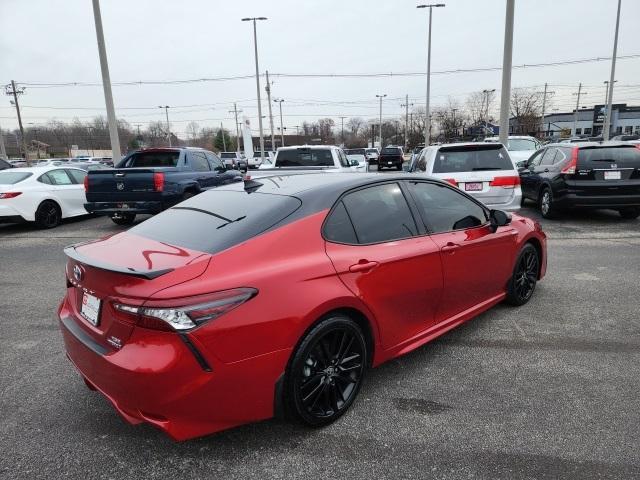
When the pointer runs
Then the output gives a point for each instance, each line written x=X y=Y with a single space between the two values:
x=44 y=168
x=462 y=144
x=311 y=147
x=611 y=143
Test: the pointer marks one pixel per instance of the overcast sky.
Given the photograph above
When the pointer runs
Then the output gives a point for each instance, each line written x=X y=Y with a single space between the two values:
x=51 y=41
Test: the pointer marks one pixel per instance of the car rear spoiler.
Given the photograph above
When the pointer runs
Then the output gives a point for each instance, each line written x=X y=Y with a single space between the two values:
x=72 y=253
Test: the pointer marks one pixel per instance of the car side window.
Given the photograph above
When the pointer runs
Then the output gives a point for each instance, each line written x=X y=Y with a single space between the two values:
x=560 y=156
x=392 y=219
x=77 y=175
x=199 y=162
x=548 y=157
x=422 y=161
x=215 y=162
x=536 y=158
x=338 y=227
x=59 y=177
x=44 y=178
x=443 y=209
x=344 y=161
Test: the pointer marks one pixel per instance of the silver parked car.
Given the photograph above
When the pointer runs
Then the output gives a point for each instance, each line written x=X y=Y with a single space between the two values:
x=483 y=170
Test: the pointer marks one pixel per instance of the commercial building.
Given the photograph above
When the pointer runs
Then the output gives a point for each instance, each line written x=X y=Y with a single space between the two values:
x=624 y=120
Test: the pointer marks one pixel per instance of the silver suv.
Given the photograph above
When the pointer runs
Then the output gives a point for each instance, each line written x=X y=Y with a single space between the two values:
x=483 y=170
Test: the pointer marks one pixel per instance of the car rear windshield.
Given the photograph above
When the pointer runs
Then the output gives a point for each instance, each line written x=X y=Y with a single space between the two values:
x=472 y=158
x=355 y=151
x=227 y=155
x=521 y=144
x=391 y=151
x=11 y=178
x=217 y=219
x=152 y=159
x=305 y=157
x=625 y=156
x=372 y=150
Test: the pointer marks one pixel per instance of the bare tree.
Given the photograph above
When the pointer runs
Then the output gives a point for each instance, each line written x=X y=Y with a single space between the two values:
x=526 y=110
x=355 y=124
x=193 y=131
x=449 y=119
x=478 y=106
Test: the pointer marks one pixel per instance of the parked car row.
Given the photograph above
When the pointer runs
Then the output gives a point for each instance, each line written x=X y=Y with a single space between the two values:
x=558 y=176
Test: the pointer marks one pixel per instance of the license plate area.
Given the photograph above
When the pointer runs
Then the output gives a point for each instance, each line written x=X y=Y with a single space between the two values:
x=613 y=175
x=90 y=308
x=473 y=186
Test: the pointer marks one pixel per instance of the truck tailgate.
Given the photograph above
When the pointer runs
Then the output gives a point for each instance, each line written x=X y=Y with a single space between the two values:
x=125 y=184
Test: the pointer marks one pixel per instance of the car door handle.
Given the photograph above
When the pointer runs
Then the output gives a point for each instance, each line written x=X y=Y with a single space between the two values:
x=450 y=248
x=546 y=170
x=363 y=266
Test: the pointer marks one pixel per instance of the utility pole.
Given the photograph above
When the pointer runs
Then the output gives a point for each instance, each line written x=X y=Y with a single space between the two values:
x=381 y=97
x=281 y=125
x=235 y=111
x=455 y=128
x=406 y=120
x=342 y=129
x=544 y=105
x=268 y=89
x=13 y=90
x=607 y=113
x=224 y=142
x=255 y=48
x=505 y=92
x=166 y=111
x=3 y=151
x=575 y=116
x=427 y=129
x=106 y=84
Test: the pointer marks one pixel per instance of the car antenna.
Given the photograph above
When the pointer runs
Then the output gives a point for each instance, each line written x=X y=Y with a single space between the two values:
x=251 y=186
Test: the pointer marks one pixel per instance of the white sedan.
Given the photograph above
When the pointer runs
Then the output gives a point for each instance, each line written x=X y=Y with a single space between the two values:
x=44 y=195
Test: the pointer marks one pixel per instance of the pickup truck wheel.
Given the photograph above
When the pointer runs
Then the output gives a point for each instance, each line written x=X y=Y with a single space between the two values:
x=187 y=195
x=123 y=218
x=630 y=213
x=379 y=168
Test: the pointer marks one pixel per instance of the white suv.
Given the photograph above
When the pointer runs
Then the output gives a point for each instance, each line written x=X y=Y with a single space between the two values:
x=483 y=170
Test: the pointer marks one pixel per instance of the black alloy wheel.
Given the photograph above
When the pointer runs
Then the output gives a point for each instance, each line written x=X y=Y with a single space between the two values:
x=123 y=218
x=48 y=215
x=525 y=276
x=326 y=371
x=629 y=213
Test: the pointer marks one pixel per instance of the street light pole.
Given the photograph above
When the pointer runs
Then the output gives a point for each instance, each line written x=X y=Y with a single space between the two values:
x=505 y=92
x=255 y=48
x=607 y=113
x=427 y=123
x=381 y=97
x=106 y=84
x=166 y=111
x=281 y=125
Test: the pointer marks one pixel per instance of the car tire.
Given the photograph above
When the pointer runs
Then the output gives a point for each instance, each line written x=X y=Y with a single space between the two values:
x=187 y=195
x=326 y=371
x=630 y=213
x=545 y=203
x=525 y=276
x=379 y=168
x=123 y=218
x=48 y=214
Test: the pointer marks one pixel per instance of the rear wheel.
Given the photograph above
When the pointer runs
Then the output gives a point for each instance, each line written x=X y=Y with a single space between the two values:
x=48 y=214
x=525 y=276
x=326 y=371
x=187 y=195
x=629 y=213
x=123 y=218
x=379 y=168
x=545 y=203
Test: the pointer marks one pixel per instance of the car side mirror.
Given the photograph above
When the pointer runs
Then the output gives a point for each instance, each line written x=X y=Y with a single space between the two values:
x=354 y=163
x=498 y=218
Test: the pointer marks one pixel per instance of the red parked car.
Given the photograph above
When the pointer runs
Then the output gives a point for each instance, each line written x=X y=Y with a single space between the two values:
x=274 y=296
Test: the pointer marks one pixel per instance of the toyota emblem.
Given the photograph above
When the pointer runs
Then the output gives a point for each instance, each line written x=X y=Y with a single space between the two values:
x=77 y=273
x=120 y=186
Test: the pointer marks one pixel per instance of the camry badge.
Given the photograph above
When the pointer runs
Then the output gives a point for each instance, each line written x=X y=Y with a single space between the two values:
x=77 y=273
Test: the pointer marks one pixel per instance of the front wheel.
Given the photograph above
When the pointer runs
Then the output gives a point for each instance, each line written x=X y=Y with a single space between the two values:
x=629 y=213
x=123 y=218
x=326 y=371
x=525 y=276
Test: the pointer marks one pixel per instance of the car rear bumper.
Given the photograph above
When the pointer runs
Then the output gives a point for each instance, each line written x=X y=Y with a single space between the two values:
x=570 y=200
x=510 y=203
x=11 y=214
x=108 y=208
x=155 y=378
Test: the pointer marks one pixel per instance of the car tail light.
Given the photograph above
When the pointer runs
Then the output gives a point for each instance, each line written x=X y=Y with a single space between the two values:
x=573 y=162
x=505 y=182
x=158 y=181
x=452 y=181
x=86 y=183
x=186 y=313
x=10 y=194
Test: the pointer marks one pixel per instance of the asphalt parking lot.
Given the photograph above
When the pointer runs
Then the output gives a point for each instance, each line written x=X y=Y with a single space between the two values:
x=548 y=390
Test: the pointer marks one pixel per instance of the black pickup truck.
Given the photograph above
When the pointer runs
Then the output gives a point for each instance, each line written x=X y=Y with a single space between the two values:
x=151 y=180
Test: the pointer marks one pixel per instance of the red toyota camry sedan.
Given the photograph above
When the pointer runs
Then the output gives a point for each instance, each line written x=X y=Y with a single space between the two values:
x=273 y=296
